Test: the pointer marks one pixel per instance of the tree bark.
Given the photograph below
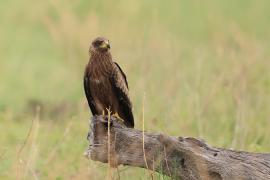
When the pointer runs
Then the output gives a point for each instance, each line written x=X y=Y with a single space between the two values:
x=184 y=158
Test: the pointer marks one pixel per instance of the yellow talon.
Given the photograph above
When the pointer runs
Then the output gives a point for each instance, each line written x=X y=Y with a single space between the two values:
x=118 y=117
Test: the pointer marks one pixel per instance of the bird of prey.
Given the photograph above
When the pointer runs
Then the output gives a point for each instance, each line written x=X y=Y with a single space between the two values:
x=105 y=84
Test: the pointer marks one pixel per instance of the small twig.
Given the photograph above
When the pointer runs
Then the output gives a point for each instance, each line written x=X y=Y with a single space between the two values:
x=31 y=170
x=165 y=154
x=144 y=154
x=26 y=140
x=57 y=145
x=118 y=173
x=117 y=169
x=109 y=145
x=29 y=132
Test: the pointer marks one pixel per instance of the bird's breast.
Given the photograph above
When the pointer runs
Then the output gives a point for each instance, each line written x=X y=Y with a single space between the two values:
x=100 y=83
x=97 y=81
x=101 y=88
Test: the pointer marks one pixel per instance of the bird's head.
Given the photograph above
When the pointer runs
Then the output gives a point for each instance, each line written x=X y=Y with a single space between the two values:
x=100 y=44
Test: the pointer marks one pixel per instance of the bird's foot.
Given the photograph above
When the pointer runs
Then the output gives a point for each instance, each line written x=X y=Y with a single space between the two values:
x=116 y=115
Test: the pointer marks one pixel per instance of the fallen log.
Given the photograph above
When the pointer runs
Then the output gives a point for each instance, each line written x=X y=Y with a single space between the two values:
x=184 y=158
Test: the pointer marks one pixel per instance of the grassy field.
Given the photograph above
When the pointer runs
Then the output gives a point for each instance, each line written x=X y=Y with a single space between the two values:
x=204 y=67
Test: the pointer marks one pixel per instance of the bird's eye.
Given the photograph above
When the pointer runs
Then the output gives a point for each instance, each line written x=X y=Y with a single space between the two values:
x=98 y=43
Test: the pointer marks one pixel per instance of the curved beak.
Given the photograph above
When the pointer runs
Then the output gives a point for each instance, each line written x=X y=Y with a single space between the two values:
x=105 y=45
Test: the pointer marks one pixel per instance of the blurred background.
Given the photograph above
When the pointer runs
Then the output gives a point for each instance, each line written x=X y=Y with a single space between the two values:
x=204 y=67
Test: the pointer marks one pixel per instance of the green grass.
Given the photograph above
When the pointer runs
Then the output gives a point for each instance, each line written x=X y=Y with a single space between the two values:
x=203 y=65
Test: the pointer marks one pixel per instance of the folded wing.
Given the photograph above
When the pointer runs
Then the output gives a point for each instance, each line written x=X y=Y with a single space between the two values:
x=120 y=88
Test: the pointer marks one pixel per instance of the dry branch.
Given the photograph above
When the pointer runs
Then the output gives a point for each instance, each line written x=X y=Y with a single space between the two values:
x=177 y=157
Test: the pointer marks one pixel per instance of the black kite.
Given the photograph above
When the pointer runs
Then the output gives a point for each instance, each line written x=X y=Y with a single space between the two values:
x=105 y=83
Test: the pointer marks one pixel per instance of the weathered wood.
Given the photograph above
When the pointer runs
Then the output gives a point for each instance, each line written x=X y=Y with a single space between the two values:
x=178 y=157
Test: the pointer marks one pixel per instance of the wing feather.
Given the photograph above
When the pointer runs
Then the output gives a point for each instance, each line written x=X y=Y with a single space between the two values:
x=122 y=73
x=120 y=89
x=88 y=95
